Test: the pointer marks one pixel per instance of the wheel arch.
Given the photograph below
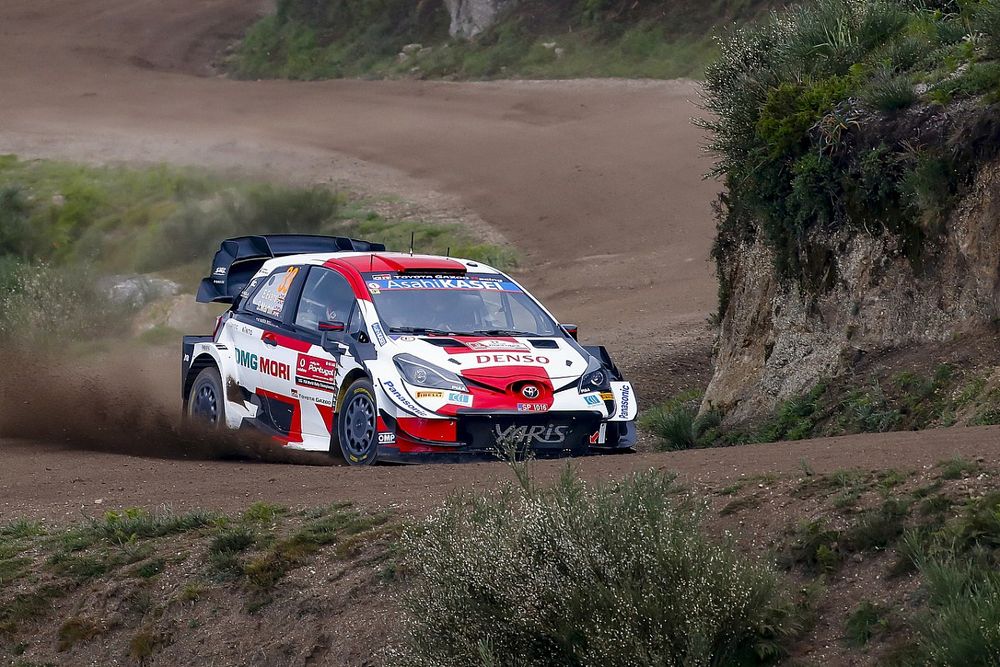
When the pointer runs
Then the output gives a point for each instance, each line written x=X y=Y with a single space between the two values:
x=198 y=364
x=352 y=377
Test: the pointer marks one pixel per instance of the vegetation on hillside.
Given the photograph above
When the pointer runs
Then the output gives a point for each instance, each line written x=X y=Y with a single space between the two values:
x=870 y=117
x=132 y=582
x=928 y=544
x=901 y=401
x=620 y=575
x=314 y=39
x=623 y=574
x=64 y=226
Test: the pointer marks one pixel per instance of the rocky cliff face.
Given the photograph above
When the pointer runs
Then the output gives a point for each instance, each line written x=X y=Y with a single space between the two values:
x=776 y=342
x=471 y=17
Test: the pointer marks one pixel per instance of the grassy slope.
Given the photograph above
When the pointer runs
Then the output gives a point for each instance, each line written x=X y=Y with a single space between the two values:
x=63 y=226
x=564 y=39
x=954 y=383
x=886 y=567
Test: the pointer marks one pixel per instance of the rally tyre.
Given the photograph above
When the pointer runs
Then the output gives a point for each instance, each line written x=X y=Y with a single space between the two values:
x=357 y=425
x=207 y=400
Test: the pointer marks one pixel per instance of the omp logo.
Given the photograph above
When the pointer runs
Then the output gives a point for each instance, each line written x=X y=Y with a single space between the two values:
x=510 y=359
x=386 y=438
x=526 y=435
x=263 y=364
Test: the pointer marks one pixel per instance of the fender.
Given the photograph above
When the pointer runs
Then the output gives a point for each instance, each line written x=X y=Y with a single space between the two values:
x=199 y=352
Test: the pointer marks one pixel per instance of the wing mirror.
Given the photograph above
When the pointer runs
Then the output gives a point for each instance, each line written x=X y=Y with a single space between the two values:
x=332 y=342
x=571 y=330
x=336 y=327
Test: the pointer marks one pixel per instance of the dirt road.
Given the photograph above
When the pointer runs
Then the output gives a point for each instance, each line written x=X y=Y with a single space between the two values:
x=597 y=183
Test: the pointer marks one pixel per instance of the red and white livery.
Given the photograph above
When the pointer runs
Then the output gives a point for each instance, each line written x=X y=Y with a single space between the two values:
x=334 y=344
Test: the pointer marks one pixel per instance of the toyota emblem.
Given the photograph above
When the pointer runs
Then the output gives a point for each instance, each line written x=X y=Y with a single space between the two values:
x=530 y=391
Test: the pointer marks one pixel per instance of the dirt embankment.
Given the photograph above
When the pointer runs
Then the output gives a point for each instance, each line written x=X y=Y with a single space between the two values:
x=778 y=340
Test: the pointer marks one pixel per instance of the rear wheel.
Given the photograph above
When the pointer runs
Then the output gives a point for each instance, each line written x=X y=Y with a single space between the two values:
x=206 y=401
x=357 y=425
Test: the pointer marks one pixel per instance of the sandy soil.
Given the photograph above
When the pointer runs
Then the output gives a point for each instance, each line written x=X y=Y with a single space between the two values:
x=597 y=183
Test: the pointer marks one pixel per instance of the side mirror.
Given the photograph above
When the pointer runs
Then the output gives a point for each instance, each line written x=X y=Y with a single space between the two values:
x=333 y=334
x=338 y=327
x=571 y=330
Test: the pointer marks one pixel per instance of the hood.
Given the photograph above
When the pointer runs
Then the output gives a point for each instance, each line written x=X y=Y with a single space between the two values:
x=497 y=360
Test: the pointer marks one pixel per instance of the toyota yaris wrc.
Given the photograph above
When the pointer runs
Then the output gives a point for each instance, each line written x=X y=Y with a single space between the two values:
x=335 y=344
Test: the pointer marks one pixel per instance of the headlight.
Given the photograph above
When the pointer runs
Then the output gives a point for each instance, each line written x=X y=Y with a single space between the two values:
x=595 y=378
x=422 y=374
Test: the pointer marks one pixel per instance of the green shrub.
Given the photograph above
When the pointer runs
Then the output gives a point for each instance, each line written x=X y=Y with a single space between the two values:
x=868 y=411
x=794 y=419
x=864 y=622
x=962 y=626
x=813 y=546
x=38 y=301
x=678 y=425
x=987 y=23
x=810 y=140
x=574 y=576
x=889 y=93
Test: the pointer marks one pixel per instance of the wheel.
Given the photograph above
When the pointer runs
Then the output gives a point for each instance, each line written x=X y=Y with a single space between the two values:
x=357 y=425
x=206 y=402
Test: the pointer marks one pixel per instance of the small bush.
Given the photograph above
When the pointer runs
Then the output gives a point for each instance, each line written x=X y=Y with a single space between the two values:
x=987 y=24
x=877 y=529
x=957 y=468
x=574 y=576
x=794 y=419
x=889 y=94
x=135 y=523
x=677 y=423
x=962 y=626
x=77 y=630
x=864 y=622
x=224 y=551
x=813 y=546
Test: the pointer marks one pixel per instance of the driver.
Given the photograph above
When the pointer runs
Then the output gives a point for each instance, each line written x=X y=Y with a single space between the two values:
x=450 y=311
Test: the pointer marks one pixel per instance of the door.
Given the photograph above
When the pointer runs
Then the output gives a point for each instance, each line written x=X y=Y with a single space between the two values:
x=326 y=297
x=265 y=352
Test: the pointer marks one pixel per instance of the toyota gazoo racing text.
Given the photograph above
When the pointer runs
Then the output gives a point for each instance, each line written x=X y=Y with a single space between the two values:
x=333 y=344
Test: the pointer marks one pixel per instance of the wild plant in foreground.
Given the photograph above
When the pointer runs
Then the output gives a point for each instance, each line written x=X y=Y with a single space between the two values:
x=619 y=575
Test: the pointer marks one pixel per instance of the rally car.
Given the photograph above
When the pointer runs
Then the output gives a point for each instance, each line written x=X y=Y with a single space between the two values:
x=334 y=344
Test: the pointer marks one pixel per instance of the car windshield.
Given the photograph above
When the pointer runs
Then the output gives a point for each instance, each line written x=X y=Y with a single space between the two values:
x=473 y=305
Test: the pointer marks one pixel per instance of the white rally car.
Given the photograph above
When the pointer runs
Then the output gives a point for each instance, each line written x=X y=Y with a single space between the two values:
x=334 y=344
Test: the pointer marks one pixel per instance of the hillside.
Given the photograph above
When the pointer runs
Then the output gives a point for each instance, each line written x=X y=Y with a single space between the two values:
x=859 y=144
x=476 y=39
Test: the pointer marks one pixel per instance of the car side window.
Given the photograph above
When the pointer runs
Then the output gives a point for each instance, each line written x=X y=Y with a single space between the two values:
x=269 y=299
x=326 y=297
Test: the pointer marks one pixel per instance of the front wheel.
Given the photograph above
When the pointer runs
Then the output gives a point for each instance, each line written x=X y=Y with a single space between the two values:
x=206 y=401
x=357 y=425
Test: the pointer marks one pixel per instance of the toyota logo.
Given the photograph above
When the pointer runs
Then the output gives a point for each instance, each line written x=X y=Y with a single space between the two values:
x=530 y=391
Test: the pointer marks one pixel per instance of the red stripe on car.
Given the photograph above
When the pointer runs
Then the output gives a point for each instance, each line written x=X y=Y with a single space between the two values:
x=295 y=428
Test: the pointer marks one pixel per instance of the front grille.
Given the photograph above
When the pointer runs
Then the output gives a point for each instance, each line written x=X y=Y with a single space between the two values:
x=553 y=432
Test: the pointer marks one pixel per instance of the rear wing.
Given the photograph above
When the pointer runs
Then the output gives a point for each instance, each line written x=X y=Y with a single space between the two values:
x=238 y=259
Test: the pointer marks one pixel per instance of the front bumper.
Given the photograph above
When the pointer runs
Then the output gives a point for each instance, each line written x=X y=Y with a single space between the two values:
x=485 y=436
